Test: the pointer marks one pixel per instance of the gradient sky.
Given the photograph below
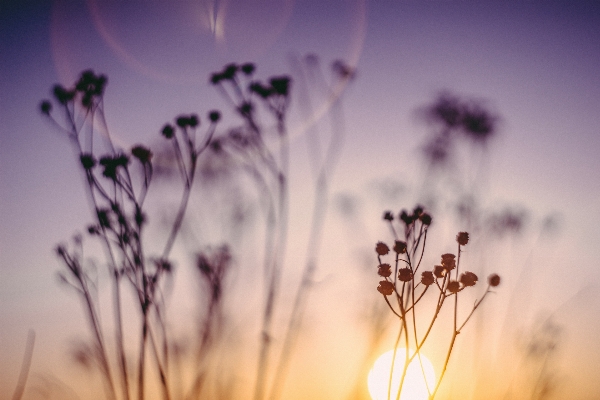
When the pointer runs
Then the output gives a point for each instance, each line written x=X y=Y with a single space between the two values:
x=536 y=63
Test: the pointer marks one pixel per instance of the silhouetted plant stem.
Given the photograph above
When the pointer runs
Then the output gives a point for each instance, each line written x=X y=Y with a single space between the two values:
x=25 y=365
x=160 y=367
x=406 y=346
x=141 y=359
x=394 y=352
x=73 y=264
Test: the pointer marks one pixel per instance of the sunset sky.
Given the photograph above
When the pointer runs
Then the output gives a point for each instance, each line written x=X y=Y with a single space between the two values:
x=535 y=64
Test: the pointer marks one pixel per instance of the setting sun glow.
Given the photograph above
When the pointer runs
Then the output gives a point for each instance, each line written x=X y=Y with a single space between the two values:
x=414 y=387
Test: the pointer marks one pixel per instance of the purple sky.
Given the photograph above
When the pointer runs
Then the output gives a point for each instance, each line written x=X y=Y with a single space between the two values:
x=536 y=63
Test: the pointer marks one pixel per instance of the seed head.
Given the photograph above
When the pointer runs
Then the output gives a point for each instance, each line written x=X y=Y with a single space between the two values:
x=427 y=278
x=384 y=270
x=382 y=249
x=214 y=116
x=141 y=153
x=168 y=131
x=453 y=287
x=388 y=216
x=400 y=247
x=494 y=280
x=405 y=274
x=439 y=271
x=468 y=279
x=462 y=238
x=448 y=261
x=386 y=288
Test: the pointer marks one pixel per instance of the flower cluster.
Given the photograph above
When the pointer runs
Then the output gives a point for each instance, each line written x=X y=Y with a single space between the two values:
x=415 y=227
x=402 y=280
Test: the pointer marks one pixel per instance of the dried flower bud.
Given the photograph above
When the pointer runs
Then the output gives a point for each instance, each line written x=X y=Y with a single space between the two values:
x=462 y=238
x=247 y=68
x=61 y=250
x=453 y=287
x=62 y=95
x=407 y=219
x=182 y=121
x=168 y=131
x=45 y=107
x=439 y=271
x=229 y=71
x=141 y=153
x=87 y=161
x=386 y=288
x=382 y=249
x=245 y=108
x=384 y=270
x=214 y=116
x=388 y=216
x=468 y=279
x=448 y=261
x=405 y=274
x=400 y=247
x=448 y=257
x=193 y=120
x=103 y=218
x=494 y=280
x=425 y=219
x=427 y=278
x=281 y=85
x=417 y=212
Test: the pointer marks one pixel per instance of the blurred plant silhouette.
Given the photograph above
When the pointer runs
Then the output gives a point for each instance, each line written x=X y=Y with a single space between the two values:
x=118 y=182
x=454 y=156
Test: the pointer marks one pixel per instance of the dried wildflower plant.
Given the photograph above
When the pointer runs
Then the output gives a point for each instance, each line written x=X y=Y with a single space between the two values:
x=118 y=181
x=405 y=284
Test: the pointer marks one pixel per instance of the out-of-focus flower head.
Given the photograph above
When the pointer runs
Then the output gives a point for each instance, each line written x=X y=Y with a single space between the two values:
x=111 y=163
x=214 y=116
x=62 y=95
x=281 y=85
x=87 y=161
x=407 y=219
x=141 y=153
x=494 y=280
x=425 y=219
x=168 y=131
x=248 y=68
x=388 y=216
x=45 y=107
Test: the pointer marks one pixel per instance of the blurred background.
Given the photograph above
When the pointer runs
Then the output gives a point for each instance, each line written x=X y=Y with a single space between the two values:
x=528 y=192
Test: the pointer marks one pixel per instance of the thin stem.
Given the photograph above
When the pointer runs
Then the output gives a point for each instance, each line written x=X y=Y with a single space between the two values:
x=25 y=365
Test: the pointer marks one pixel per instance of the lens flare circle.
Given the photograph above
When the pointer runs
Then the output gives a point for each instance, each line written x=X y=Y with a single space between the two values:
x=415 y=385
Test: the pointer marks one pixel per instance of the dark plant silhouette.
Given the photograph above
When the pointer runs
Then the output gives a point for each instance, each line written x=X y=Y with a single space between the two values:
x=117 y=195
x=407 y=288
x=118 y=182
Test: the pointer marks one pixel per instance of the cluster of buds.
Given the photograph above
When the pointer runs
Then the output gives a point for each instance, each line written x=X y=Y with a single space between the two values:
x=418 y=214
x=443 y=270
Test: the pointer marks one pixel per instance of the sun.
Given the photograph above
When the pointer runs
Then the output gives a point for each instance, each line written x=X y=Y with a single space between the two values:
x=414 y=387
